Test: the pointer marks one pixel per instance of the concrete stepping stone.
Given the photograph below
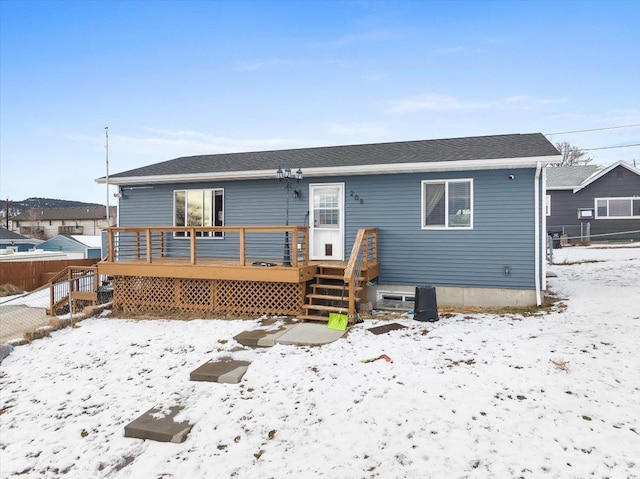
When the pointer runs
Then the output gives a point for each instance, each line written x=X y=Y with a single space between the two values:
x=309 y=334
x=264 y=338
x=385 y=328
x=159 y=425
x=226 y=370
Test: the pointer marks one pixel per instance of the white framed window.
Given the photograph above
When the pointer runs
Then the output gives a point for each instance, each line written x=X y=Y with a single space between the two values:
x=547 y=205
x=617 y=208
x=585 y=213
x=199 y=208
x=447 y=204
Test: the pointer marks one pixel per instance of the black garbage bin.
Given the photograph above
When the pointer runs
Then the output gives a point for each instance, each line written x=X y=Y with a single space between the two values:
x=426 y=305
x=555 y=239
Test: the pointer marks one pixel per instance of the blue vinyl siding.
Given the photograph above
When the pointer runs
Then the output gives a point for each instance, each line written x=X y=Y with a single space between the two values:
x=503 y=232
x=68 y=245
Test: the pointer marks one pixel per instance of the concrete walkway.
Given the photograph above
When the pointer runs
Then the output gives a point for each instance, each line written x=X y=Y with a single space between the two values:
x=298 y=334
x=159 y=425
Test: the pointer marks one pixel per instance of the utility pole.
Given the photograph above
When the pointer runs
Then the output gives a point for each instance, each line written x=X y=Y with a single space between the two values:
x=106 y=147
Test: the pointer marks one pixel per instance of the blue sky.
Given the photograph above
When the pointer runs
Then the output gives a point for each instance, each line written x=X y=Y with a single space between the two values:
x=174 y=79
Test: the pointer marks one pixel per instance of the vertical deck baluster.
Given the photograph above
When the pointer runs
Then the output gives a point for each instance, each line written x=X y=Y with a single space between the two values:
x=193 y=245
x=243 y=257
x=149 y=246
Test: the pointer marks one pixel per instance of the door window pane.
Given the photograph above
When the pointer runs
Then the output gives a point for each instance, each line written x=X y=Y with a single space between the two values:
x=326 y=212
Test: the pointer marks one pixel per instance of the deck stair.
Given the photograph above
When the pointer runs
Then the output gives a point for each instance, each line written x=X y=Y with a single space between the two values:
x=329 y=293
x=76 y=286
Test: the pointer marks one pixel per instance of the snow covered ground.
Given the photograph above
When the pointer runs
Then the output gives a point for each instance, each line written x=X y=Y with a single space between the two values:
x=478 y=396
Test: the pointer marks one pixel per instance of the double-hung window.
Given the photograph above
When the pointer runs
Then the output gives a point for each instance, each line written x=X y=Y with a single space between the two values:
x=618 y=208
x=199 y=208
x=447 y=204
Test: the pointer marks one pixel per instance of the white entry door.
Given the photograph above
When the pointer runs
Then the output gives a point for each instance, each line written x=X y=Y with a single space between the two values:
x=326 y=228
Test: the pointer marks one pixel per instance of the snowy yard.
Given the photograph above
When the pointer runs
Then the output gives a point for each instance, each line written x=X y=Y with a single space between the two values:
x=479 y=396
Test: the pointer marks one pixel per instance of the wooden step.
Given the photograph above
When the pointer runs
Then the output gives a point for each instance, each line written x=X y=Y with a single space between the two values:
x=322 y=307
x=333 y=286
x=328 y=297
x=325 y=268
x=311 y=317
x=335 y=277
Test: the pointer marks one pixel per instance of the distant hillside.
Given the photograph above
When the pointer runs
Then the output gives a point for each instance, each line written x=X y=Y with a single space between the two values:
x=17 y=207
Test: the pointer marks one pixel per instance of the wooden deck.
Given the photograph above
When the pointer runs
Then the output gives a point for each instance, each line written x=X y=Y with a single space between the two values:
x=212 y=268
x=149 y=276
x=264 y=269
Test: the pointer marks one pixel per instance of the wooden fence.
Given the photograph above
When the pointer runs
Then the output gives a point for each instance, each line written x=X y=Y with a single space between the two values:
x=30 y=275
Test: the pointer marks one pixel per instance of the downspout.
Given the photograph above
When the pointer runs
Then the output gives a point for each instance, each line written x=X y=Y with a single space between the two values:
x=536 y=186
x=543 y=236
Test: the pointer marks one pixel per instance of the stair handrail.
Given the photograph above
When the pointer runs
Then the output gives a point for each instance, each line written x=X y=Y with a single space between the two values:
x=357 y=260
x=67 y=275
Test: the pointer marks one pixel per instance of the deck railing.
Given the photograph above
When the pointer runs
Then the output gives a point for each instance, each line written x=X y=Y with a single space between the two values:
x=363 y=253
x=244 y=244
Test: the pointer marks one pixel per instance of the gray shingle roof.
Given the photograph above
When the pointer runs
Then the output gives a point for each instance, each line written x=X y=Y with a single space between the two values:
x=569 y=176
x=452 y=149
x=70 y=213
x=5 y=234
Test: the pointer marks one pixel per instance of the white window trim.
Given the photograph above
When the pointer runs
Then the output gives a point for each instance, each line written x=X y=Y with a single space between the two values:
x=446 y=200
x=173 y=200
x=607 y=217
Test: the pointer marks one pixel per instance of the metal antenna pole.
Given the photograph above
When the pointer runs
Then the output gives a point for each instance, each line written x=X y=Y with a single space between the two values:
x=106 y=147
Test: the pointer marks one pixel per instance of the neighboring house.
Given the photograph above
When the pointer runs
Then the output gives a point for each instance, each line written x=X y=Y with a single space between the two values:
x=592 y=203
x=9 y=240
x=75 y=246
x=44 y=223
x=464 y=214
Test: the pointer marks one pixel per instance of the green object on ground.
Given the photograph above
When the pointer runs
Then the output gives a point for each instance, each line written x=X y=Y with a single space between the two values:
x=338 y=321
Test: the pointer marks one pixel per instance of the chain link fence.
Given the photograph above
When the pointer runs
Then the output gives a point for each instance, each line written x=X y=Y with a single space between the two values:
x=23 y=313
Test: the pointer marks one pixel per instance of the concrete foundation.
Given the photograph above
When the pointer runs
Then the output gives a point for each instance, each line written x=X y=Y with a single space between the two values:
x=462 y=297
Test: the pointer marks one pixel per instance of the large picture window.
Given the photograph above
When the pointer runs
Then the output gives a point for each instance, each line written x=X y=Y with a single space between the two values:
x=447 y=204
x=617 y=208
x=199 y=208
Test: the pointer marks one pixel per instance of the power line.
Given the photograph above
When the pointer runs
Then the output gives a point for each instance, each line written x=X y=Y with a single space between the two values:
x=609 y=147
x=593 y=129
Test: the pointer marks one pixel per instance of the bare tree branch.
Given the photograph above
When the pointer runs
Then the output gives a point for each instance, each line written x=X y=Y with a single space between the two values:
x=572 y=155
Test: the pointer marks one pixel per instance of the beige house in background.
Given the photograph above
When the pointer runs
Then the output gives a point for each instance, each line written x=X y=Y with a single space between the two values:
x=45 y=223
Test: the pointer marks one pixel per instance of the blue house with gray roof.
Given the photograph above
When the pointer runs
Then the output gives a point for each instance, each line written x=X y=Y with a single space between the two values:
x=12 y=241
x=466 y=215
